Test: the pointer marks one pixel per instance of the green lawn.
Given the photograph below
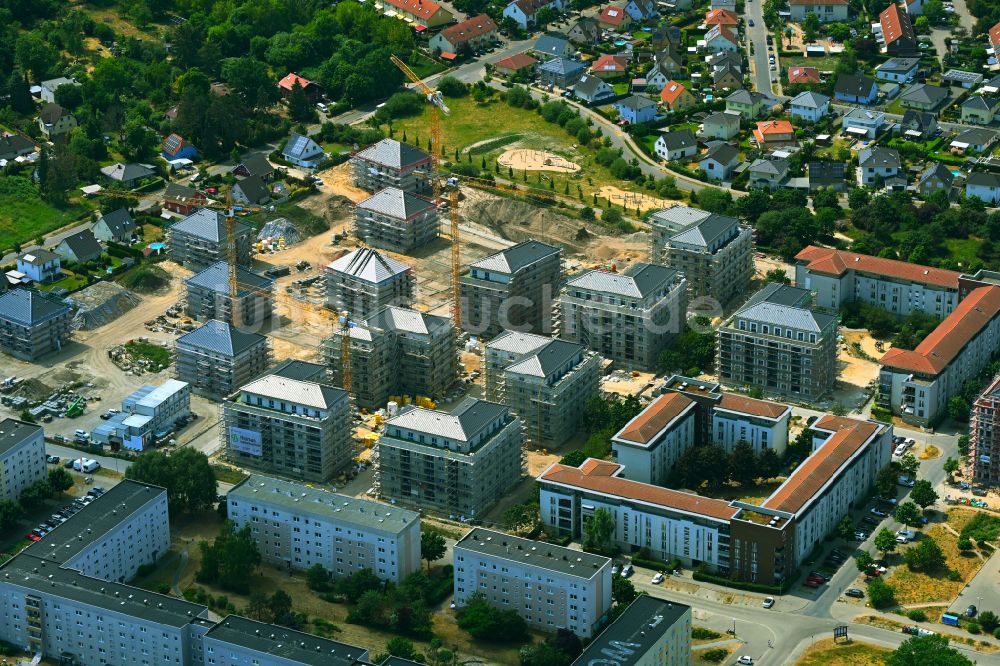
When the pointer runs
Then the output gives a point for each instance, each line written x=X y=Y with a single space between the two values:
x=71 y=282
x=826 y=63
x=621 y=88
x=424 y=66
x=24 y=216
x=962 y=249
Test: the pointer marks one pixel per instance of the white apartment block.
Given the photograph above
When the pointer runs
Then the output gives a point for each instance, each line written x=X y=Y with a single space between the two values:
x=240 y=641
x=651 y=632
x=760 y=423
x=551 y=587
x=296 y=526
x=22 y=457
x=651 y=443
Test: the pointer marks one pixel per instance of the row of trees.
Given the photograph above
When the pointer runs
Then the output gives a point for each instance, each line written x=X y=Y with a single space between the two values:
x=185 y=473
x=12 y=511
x=711 y=465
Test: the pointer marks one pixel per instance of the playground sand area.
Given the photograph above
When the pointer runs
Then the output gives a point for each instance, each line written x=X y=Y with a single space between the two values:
x=527 y=159
x=633 y=200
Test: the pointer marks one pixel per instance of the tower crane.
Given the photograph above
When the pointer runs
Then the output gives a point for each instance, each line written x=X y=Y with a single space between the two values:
x=231 y=255
x=437 y=108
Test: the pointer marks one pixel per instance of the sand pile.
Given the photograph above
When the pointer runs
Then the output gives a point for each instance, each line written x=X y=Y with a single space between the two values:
x=101 y=303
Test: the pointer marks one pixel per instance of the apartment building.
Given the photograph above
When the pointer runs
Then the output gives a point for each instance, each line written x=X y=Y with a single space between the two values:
x=650 y=444
x=396 y=220
x=209 y=297
x=713 y=252
x=650 y=631
x=218 y=358
x=551 y=587
x=364 y=281
x=32 y=325
x=300 y=429
x=240 y=640
x=760 y=423
x=984 y=436
x=22 y=457
x=458 y=463
x=779 y=343
x=202 y=239
x=628 y=317
x=918 y=384
x=547 y=382
x=512 y=289
x=147 y=415
x=396 y=352
x=836 y=277
x=390 y=163
x=296 y=526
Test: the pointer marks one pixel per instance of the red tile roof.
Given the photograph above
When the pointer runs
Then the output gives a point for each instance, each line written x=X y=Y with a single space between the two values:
x=722 y=31
x=895 y=24
x=290 y=79
x=940 y=348
x=721 y=17
x=995 y=36
x=803 y=75
x=472 y=28
x=424 y=9
x=775 y=127
x=517 y=62
x=837 y=262
x=616 y=486
x=738 y=403
x=612 y=15
x=609 y=63
x=848 y=438
x=596 y=467
x=671 y=92
x=657 y=416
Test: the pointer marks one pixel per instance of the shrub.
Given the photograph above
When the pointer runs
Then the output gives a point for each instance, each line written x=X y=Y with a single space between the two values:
x=703 y=633
x=996 y=633
x=954 y=576
x=917 y=615
x=715 y=655
x=974 y=628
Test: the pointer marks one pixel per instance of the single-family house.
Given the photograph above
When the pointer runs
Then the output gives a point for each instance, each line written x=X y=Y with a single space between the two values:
x=722 y=125
x=774 y=134
x=302 y=151
x=675 y=97
x=974 y=139
x=117 y=226
x=935 y=178
x=918 y=125
x=914 y=7
x=727 y=78
x=878 y=163
x=768 y=173
x=55 y=121
x=465 y=37
x=636 y=109
x=802 y=75
x=899 y=70
x=40 y=265
x=176 y=147
x=560 y=72
x=666 y=64
x=720 y=160
x=523 y=12
x=721 y=38
x=666 y=35
x=552 y=46
x=981 y=109
x=985 y=186
x=253 y=191
x=863 y=122
x=592 y=89
x=748 y=103
x=642 y=10
x=126 y=175
x=826 y=11
x=721 y=17
x=855 y=89
x=962 y=78
x=48 y=88
x=809 y=106
x=423 y=14
x=80 y=247
x=13 y=146
x=897 y=31
x=585 y=31
x=519 y=63
x=609 y=66
x=676 y=145
x=923 y=96
x=182 y=199
x=722 y=59
x=614 y=18
x=287 y=84
x=993 y=40
x=254 y=164
x=824 y=174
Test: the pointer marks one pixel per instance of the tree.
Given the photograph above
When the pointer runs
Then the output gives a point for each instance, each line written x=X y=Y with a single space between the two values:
x=598 y=530
x=521 y=518
x=10 y=513
x=923 y=493
x=743 y=463
x=543 y=654
x=907 y=513
x=484 y=622
x=611 y=217
x=909 y=464
x=249 y=78
x=20 y=93
x=845 y=528
x=950 y=466
x=449 y=86
x=281 y=606
x=925 y=556
x=885 y=541
x=963 y=445
x=317 y=577
x=186 y=474
x=259 y=607
x=810 y=27
x=35 y=494
x=231 y=559
x=574 y=458
x=432 y=545
x=300 y=109
x=777 y=275
x=622 y=590
x=988 y=620
x=959 y=408
x=60 y=479
x=923 y=650
x=35 y=55
x=934 y=11
x=864 y=561
x=881 y=594
x=769 y=464
x=397 y=646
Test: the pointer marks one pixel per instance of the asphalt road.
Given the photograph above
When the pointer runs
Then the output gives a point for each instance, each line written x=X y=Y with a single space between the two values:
x=757 y=35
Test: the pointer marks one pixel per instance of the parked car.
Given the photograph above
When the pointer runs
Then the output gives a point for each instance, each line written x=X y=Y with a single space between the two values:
x=32 y=536
x=627 y=570
x=909 y=534
x=768 y=602
x=69 y=463
x=906 y=481
x=875 y=511
x=746 y=659
x=819 y=574
x=751 y=23
x=657 y=579
x=855 y=592
x=810 y=583
x=971 y=611
x=861 y=536
x=52 y=460
x=888 y=500
x=902 y=539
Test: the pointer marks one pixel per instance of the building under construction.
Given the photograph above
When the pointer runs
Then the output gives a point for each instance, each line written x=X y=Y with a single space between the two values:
x=391 y=163
x=364 y=281
x=545 y=381
x=396 y=220
x=396 y=352
x=32 y=325
x=457 y=464
x=218 y=358
x=201 y=239
x=208 y=296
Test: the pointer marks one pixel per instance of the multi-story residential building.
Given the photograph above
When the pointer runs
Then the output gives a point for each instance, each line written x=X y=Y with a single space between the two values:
x=836 y=277
x=825 y=10
x=551 y=587
x=865 y=123
x=22 y=457
x=296 y=526
x=779 y=343
x=918 y=384
x=650 y=444
x=32 y=325
x=897 y=32
x=714 y=253
x=218 y=358
x=879 y=166
x=546 y=382
x=364 y=281
x=390 y=163
x=627 y=317
x=650 y=631
x=239 y=640
x=457 y=463
x=396 y=220
x=760 y=423
x=809 y=105
x=984 y=436
x=40 y=265
x=470 y=35
x=208 y=296
x=280 y=425
x=201 y=239
x=512 y=289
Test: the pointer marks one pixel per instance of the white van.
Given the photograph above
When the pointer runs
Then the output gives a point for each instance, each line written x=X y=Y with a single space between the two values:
x=88 y=466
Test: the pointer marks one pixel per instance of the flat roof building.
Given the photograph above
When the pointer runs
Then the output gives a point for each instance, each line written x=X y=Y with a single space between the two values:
x=32 y=325
x=218 y=358
x=147 y=415
x=650 y=631
x=396 y=220
x=202 y=239
x=208 y=296
x=239 y=640
x=22 y=457
x=364 y=281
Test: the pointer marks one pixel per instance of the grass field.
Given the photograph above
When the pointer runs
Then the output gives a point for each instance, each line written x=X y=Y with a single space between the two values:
x=423 y=66
x=70 y=282
x=155 y=354
x=855 y=653
x=24 y=216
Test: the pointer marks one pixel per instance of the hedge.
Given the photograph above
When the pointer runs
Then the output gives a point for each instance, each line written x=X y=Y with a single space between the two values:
x=122 y=251
x=150 y=186
x=746 y=585
x=656 y=565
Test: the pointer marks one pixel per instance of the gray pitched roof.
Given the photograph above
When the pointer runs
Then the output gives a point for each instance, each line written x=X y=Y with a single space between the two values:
x=588 y=85
x=51 y=113
x=216 y=278
x=678 y=216
x=309 y=394
x=705 y=233
x=83 y=243
x=551 y=45
x=221 y=337
x=878 y=156
x=980 y=102
x=562 y=66
x=678 y=139
x=461 y=425
x=746 y=97
x=256 y=164
x=516 y=257
x=975 y=136
x=13 y=144
x=123 y=172
x=785 y=306
x=721 y=72
x=38 y=257
x=395 y=318
x=178 y=191
x=939 y=171
x=119 y=222
x=369 y=265
x=544 y=361
x=855 y=85
x=207 y=224
x=638 y=281
x=393 y=154
x=516 y=342
x=922 y=119
x=396 y=203
x=724 y=153
x=924 y=93
x=300 y=146
x=254 y=189
x=636 y=102
x=810 y=100
x=983 y=179
x=773 y=165
x=723 y=118
x=27 y=307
